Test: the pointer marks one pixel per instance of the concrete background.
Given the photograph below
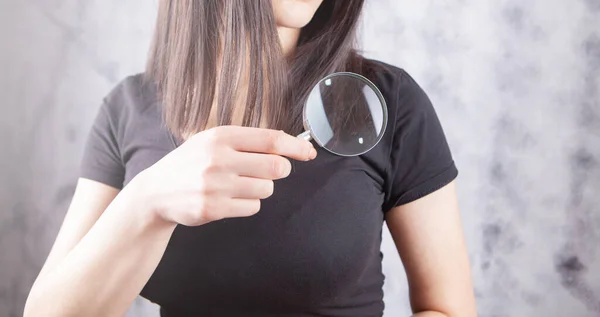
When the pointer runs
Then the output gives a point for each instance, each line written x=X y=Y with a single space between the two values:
x=516 y=85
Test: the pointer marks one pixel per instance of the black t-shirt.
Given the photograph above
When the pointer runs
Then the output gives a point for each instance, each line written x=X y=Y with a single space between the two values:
x=314 y=248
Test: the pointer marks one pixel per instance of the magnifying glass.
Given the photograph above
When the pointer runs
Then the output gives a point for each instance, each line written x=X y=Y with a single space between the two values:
x=346 y=114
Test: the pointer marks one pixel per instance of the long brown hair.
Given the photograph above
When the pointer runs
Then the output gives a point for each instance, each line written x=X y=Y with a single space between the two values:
x=203 y=46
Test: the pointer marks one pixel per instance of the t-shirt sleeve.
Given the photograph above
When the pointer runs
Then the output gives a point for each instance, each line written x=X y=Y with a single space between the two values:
x=101 y=157
x=421 y=162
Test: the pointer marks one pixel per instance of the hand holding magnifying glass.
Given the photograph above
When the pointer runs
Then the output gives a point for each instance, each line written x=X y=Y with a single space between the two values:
x=346 y=114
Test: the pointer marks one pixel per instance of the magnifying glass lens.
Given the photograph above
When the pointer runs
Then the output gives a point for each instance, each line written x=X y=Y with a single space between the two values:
x=346 y=114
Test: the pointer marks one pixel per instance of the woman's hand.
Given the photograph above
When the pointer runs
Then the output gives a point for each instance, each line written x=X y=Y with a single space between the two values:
x=219 y=173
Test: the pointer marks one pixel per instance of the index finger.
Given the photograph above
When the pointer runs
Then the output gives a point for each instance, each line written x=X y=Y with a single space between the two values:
x=258 y=140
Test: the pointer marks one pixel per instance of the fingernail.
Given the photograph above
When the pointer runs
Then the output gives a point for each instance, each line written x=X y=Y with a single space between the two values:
x=312 y=154
x=287 y=170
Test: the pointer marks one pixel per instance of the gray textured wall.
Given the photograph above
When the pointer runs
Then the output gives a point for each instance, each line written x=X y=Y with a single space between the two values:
x=516 y=85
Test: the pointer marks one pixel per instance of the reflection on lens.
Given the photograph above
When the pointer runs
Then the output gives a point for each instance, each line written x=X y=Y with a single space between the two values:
x=346 y=114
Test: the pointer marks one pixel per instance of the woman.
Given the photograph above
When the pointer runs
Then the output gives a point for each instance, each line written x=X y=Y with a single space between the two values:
x=181 y=159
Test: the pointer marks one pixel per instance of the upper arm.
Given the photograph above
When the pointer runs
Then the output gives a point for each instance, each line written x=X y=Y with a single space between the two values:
x=101 y=177
x=429 y=238
x=89 y=202
x=421 y=204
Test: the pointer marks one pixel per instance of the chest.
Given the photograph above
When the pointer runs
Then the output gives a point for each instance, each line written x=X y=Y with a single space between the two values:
x=316 y=240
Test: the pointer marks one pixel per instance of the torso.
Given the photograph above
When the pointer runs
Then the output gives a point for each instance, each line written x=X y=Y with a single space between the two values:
x=312 y=250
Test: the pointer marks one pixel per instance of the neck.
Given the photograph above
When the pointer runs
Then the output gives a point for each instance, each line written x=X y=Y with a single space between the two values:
x=288 y=38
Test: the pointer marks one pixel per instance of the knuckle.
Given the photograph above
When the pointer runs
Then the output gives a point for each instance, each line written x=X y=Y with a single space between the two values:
x=275 y=139
x=212 y=163
x=199 y=211
x=205 y=211
x=204 y=189
x=205 y=174
x=213 y=136
x=213 y=142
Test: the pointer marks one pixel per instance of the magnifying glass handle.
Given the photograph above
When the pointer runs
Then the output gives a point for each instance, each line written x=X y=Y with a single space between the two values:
x=305 y=135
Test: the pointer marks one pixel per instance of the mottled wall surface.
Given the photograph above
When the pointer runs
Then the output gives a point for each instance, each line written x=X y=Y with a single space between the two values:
x=516 y=85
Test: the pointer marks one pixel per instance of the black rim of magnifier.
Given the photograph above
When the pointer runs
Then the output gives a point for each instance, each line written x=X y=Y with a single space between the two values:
x=377 y=93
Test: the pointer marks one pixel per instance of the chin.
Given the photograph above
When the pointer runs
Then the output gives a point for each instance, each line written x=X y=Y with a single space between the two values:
x=294 y=13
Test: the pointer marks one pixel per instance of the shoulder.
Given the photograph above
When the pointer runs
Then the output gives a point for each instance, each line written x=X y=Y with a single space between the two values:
x=418 y=157
x=387 y=74
x=406 y=100
x=134 y=94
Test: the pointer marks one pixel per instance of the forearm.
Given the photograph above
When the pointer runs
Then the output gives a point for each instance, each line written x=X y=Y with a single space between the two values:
x=429 y=314
x=106 y=270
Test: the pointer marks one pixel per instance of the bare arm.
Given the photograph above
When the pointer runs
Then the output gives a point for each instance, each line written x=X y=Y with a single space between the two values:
x=110 y=244
x=82 y=272
x=428 y=235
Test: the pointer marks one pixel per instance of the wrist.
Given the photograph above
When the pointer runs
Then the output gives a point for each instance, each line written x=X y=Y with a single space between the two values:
x=136 y=198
